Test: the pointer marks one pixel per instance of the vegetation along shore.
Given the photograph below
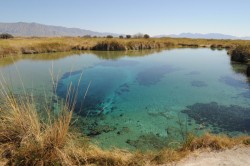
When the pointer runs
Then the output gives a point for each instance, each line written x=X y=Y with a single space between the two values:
x=9 y=46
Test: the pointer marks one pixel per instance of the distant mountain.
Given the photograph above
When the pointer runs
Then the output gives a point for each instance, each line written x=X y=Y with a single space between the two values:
x=205 y=36
x=35 y=29
x=40 y=30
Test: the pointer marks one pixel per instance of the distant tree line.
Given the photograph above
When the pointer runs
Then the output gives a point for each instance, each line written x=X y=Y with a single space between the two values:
x=5 y=36
x=136 y=36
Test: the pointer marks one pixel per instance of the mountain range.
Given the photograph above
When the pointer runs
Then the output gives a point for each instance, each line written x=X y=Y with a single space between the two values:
x=41 y=30
x=205 y=36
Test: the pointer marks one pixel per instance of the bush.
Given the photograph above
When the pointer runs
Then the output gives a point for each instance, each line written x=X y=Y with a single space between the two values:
x=146 y=36
x=138 y=36
x=6 y=36
x=121 y=37
x=87 y=36
x=241 y=54
x=109 y=46
x=128 y=36
x=248 y=72
x=109 y=36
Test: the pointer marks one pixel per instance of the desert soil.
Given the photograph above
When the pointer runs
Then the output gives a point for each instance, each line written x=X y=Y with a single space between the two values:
x=237 y=156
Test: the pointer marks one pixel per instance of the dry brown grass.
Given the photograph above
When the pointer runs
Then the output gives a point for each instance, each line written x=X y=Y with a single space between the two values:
x=61 y=44
x=213 y=142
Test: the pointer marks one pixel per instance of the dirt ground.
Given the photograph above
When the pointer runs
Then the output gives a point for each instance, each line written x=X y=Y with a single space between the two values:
x=238 y=156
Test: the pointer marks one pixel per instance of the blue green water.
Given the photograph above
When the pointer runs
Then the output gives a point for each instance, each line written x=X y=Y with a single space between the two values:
x=145 y=100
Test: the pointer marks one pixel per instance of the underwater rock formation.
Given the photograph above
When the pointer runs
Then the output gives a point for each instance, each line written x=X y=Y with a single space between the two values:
x=154 y=75
x=93 y=94
x=230 y=118
x=193 y=73
x=198 y=84
x=120 y=63
x=233 y=82
x=148 y=141
x=99 y=129
x=124 y=88
x=72 y=73
x=246 y=94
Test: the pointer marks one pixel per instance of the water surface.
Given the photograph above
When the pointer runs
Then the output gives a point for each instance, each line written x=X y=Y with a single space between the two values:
x=142 y=100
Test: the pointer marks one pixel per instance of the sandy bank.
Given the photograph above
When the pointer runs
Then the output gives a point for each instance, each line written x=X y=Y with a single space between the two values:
x=237 y=156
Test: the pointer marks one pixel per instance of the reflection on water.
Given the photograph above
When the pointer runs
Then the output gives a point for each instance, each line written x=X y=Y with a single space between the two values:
x=142 y=99
x=59 y=55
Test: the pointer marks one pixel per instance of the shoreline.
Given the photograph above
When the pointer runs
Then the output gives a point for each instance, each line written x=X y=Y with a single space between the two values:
x=18 y=46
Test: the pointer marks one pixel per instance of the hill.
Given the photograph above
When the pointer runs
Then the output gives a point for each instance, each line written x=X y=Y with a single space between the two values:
x=205 y=36
x=40 y=30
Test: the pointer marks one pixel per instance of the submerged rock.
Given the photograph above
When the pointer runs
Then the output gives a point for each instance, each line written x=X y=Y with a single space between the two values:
x=246 y=94
x=124 y=130
x=231 y=118
x=124 y=88
x=72 y=73
x=233 y=82
x=118 y=63
x=198 y=84
x=154 y=75
x=148 y=142
x=99 y=129
x=193 y=73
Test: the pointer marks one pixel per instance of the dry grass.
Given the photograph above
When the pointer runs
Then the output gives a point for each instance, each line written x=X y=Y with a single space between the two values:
x=213 y=142
x=62 y=44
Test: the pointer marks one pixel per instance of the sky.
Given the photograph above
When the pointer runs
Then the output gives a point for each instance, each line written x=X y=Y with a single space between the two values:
x=154 y=17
